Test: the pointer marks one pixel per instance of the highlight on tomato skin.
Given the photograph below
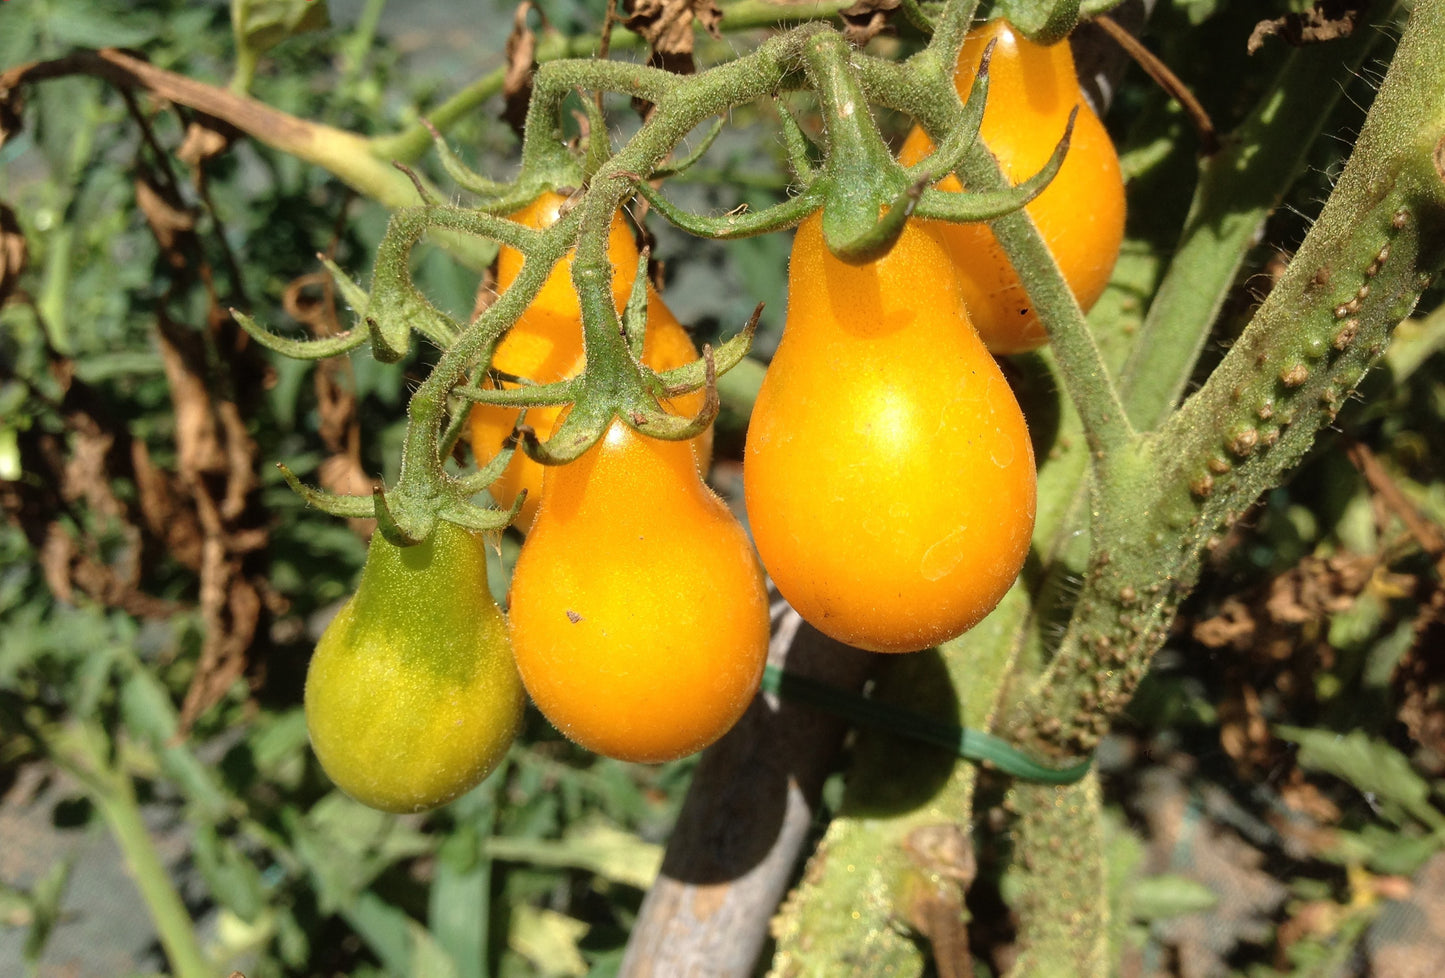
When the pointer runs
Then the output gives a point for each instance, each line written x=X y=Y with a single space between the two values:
x=888 y=472
x=639 y=614
x=1080 y=214
x=412 y=697
x=545 y=346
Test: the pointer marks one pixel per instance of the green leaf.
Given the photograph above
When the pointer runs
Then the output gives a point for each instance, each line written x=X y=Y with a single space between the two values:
x=1385 y=850
x=44 y=907
x=1161 y=897
x=345 y=844
x=150 y=716
x=548 y=939
x=260 y=25
x=609 y=852
x=232 y=878
x=1372 y=766
x=92 y=25
x=428 y=958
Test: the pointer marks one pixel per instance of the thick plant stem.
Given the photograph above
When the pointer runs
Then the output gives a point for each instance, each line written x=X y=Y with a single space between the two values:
x=172 y=922
x=1359 y=271
x=1062 y=881
x=1238 y=188
x=1158 y=500
x=82 y=750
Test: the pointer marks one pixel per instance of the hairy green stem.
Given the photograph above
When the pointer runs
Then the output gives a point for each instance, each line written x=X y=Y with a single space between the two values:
x=1238 y=188
x=742 y=15
x=1086 y=379
x=1359 y=271
x=82 y=750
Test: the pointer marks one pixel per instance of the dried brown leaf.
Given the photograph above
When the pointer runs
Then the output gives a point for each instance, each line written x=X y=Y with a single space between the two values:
x=1418 y=685
x=521 y=65
x=14 y=254
x=1327 y=20
x=1234 y=627
x=866 y=19
x=666 y=25
x=206 y=138
x=169 y=219
x=1318 y=588
x=167 y=517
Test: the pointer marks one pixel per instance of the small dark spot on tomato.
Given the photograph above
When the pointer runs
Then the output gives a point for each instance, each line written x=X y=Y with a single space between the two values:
x=573 y=617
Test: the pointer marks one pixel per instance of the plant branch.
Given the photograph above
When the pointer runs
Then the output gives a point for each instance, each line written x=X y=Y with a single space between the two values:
x=1378 y=241
x=1238 y=188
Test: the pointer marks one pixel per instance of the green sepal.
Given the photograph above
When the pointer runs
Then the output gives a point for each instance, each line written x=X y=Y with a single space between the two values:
x=634 y=314
x=489 y=473
x=876 y=240
x=465 y=177
x=732 y=226
x=354 y=295
x=309 y=349
x=529 y=395
x=350 y=507
x=689 y=377
x=692 y=157
x=458 y=417
x=944 y=205
x=479 y=518
x=956 y=144
x=797 y=145
x=579 y=431
x=405 y=531
x=657 y=423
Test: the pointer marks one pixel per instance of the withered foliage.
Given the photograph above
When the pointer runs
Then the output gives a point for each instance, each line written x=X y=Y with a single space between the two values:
x=521 y=66
x=202 y=512
x=666 y=25
x=14 y=255
x=866 y=19
x=1277 y=637
x=1327 y=20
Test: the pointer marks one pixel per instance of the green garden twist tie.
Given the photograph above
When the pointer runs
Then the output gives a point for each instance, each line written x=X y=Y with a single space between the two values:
x=963 y=741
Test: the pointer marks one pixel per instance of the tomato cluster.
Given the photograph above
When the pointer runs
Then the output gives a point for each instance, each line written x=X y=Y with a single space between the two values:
x=888 y=476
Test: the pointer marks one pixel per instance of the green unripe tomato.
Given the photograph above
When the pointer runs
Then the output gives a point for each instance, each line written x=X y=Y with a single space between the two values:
x=412 y=696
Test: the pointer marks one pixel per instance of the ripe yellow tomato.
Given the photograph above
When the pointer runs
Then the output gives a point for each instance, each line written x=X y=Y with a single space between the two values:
x=412 y=697
x=545 y=346
x=1032 y=89
x=639 y=614
x=888 y=472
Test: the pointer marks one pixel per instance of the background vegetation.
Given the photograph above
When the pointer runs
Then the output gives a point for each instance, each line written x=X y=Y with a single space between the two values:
x=1272 y=796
